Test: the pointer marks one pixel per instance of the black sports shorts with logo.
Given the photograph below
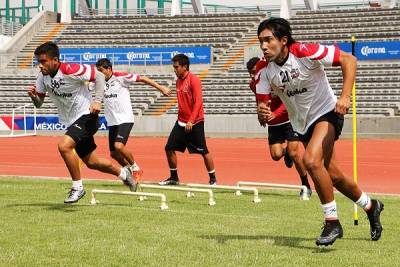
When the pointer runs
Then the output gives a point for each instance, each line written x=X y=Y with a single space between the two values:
x=194 y=141
x=82 y=131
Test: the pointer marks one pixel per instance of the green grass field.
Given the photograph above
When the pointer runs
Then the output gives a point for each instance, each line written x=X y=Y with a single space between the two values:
x=37 y=229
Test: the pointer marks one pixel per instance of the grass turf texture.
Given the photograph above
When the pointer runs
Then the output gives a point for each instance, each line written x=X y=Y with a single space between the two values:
x=37 y=229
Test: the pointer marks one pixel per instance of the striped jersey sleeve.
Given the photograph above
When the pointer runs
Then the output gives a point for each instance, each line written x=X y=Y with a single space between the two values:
x=127 y=78
x=327 y=55
x=40 y=88
x=79 y=72
x=263 y=87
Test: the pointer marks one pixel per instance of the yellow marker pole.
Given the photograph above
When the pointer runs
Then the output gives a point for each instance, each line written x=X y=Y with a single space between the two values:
x=354 y=118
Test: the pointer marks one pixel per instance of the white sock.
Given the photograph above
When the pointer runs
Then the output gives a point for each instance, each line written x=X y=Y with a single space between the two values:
x=122 y=174
x=364 y=202
x=330 y=211
x=213 y=171
x=135 y=167
x=77 y=184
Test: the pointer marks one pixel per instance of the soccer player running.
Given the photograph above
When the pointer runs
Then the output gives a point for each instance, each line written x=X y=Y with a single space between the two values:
x=118 y=111
x=188 y=131
x=65 y=83
x=295 y=72
x=279 y=128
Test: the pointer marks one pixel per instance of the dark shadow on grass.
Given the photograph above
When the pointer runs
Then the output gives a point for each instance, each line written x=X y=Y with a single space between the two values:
x=116 y=185
x=359 y=239
x=289 y=194
x=50 y=206
x=284 y=241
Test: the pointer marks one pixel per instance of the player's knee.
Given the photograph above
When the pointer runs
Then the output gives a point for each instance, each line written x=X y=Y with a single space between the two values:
x=276 y=157
x=91 y=164
x=119 y=147
x=64 y=148
x=276 y=154
x=311 y=163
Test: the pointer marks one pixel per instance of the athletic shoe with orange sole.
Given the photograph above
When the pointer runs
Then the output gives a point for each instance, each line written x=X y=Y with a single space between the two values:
x=137 y=175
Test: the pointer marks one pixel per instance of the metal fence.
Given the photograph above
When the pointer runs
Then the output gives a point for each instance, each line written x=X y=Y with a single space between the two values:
x=9 y=28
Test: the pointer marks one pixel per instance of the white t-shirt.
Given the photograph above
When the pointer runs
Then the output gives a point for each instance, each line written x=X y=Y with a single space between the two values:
x=117 y=101
x=68 y=90
x=301 y=83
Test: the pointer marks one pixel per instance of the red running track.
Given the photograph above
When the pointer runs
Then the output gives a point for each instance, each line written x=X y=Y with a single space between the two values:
x=235 y=159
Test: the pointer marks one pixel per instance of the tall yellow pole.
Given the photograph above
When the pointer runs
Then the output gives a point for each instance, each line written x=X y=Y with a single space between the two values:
x=354 y=117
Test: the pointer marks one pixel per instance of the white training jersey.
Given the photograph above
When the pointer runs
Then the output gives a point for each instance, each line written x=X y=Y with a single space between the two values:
x=301 y=83
x=68 y=90
x=117 y=100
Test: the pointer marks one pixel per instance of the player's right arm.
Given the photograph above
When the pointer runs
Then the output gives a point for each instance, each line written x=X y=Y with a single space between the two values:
x=37 y=92
x=36 y=97
x=263 y=97
x=163 y=89
x=133 y=78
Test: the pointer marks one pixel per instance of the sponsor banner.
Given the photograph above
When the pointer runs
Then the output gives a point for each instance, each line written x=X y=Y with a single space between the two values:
x=374 y=50
x=363 y=50
x=47 y=123
x=136 y=56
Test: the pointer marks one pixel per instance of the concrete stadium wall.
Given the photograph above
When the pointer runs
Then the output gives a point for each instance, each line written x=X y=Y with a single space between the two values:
x=11 y=49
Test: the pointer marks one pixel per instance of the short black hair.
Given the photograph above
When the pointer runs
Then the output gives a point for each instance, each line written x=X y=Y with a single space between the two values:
x=104 y=62
x=182 y=59
x=251 y=63
x=48 y=48
x=279 y=27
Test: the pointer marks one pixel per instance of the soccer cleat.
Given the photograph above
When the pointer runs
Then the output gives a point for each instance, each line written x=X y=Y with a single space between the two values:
x=170 y=181
x=74 y=195
x=129 y=181
x=374 y=219
x=137 y=175
x=212 y=182
x=288 y=159
x=331 y=231
x=305 y=194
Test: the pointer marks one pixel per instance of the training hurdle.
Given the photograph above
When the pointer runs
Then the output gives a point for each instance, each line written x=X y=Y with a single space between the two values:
x=211 y=200
x=237 y=189
x=162 y=197
x=272 y=185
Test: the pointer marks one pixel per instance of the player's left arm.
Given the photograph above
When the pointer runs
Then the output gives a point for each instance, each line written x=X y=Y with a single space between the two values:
x=197 y=103
x=163 y=89
x=99 y=85
x=348 y=63
x=331 y=55
x=87 y=73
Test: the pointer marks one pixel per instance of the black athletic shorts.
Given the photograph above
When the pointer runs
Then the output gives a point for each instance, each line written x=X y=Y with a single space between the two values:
x=280 y=133
x=336 y=119
x=118 y=133
x=82 y=131
x=194 y=141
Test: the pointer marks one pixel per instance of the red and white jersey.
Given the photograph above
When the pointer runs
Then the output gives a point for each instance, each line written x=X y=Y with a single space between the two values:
x=68 y=90
x=117 y=100
x=301 y=83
